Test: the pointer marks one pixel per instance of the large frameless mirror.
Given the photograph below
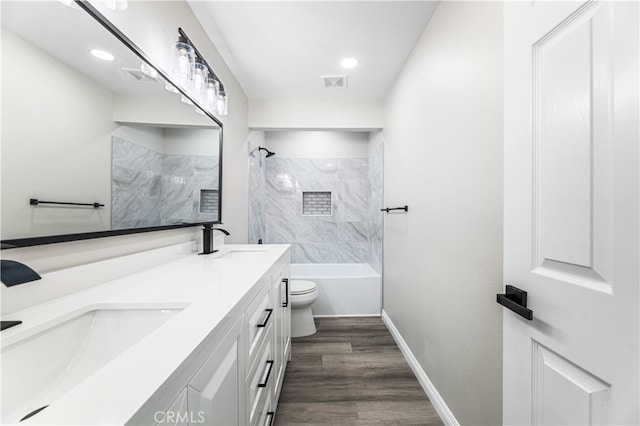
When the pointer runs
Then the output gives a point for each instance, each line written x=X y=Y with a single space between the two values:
x=94 y=141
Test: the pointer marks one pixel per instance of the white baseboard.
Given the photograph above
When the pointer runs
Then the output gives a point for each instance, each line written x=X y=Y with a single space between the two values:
x=438 y=403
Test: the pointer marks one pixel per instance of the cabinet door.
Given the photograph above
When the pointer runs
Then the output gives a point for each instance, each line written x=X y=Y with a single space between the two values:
x=282 y=332
x=286 y=317
x=278 y=349
x=215 y=393
x=176 y=415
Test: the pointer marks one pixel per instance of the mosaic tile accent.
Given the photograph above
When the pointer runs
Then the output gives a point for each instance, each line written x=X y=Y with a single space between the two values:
x=316 y=203
x=209 y=200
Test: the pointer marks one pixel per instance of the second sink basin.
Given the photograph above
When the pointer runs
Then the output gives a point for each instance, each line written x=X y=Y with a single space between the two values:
x=38 y=369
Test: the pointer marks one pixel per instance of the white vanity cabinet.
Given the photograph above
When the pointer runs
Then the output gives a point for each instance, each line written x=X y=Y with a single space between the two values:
x=235 y=376
x=214 y=394
x=209 y=391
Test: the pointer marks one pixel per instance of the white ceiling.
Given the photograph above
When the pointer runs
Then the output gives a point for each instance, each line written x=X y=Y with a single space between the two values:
x=279 y=49
x=55 y=28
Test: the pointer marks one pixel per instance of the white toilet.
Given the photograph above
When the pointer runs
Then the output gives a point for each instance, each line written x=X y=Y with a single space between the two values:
x=303 y=294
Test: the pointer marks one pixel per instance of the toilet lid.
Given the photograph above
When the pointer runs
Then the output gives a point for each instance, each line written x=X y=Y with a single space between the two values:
x=302 y=286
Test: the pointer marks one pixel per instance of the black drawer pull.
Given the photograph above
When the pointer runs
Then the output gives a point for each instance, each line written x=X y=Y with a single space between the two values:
x=516 y=300
x=270 y=414
x=286 y=285
x=266 y=320
x=266 y=380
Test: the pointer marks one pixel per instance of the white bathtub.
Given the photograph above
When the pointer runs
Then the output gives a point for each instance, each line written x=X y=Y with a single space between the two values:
x=343 y=288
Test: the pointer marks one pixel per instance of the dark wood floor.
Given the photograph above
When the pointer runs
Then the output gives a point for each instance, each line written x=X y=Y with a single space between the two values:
x=351 y=373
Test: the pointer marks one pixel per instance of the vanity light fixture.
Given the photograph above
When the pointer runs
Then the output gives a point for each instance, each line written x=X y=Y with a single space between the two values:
x=196 y=77
x=349 y=63
x=101 y=54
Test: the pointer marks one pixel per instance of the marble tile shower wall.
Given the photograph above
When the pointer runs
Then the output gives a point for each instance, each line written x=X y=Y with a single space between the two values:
x=342 y=237
x=375 y=204
x=152 y=189
x=257 y=197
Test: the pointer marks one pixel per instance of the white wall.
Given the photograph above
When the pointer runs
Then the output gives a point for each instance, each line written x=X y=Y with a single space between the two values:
x=153 y=26
x=191 y=141
x=318 y=144
x=157 y=110
x=149 y=137
x=443 y=158
x=317 y=114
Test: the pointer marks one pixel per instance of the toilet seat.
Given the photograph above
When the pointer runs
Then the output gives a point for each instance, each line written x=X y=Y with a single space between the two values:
x=300 y=287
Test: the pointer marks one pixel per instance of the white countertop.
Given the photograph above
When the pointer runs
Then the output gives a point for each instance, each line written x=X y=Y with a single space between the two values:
x=209 y=288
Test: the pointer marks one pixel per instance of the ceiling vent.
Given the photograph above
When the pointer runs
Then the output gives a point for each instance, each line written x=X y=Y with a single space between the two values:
x=140 y=76
x=334 y=81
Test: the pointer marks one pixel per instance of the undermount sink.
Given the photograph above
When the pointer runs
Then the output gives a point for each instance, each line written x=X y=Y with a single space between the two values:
x=39 y=368
x=239 y=254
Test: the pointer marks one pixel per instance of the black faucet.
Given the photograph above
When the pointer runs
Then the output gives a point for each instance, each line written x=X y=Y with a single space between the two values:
x=207 y=237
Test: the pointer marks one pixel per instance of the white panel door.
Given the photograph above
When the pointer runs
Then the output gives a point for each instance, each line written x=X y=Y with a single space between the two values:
x=571 y=212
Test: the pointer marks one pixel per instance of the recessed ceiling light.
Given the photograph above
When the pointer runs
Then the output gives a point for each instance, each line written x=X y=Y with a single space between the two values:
x=349 y=63
x=106 y=56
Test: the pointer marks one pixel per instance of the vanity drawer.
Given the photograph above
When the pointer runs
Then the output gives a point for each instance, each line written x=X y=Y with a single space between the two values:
x=264 y=412
x=260 y=315
x=262 y=374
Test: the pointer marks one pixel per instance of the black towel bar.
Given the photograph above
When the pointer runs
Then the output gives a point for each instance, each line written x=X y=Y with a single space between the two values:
x=35 y=202
x=388 y=209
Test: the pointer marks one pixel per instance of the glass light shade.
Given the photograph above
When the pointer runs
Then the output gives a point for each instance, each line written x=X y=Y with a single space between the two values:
x=222 y=103
x=200 y=74
x=212 y=91
x=183 y=58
